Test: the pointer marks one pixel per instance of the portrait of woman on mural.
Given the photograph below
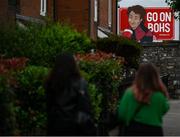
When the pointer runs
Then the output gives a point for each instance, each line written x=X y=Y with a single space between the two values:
x=137 y=30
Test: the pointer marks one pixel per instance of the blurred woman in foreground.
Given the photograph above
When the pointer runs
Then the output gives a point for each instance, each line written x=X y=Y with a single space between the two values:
x=144 y=104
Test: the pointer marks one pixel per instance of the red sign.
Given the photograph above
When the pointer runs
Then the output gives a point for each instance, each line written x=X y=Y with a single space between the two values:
x=159 y=20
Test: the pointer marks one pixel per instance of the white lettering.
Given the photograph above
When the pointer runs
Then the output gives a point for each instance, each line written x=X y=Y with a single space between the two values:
x=168 y=17
x=162 y=17
x=150 y=26
x=165 y=17
x=152 y=16
x=149 y=16
x=159 y=27
x=167 y=27
x=155 y=16
x=156 y=27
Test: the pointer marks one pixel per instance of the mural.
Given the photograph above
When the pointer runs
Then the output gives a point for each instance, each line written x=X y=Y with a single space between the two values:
x=137 y=30
x=146 y=22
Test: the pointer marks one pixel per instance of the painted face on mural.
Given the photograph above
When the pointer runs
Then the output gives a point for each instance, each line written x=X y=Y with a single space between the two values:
x=134 y=20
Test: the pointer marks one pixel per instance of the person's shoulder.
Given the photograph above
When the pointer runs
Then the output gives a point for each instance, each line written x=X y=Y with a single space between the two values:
x=159 y=94
x=129 y=91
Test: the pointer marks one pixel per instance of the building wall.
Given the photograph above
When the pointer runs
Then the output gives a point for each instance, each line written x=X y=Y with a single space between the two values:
x=166 y=56
x=102 y=23
x=93 y=25
x=77 y=13
x=7 y=13
x=103 y=13
x=50 y=8
x=73 y=12
x=30 y=8
x=3 y=10
x=114 y=17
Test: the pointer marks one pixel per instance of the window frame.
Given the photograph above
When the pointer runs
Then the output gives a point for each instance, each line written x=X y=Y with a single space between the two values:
x=95 y=10
x=110 y=13
x=43 y=7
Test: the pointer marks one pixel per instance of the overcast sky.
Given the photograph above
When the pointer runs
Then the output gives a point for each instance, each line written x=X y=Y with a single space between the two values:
x=150 y=3
x=145 y=3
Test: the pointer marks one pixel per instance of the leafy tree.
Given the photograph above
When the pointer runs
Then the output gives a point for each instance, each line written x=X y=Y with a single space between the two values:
x=175 y=5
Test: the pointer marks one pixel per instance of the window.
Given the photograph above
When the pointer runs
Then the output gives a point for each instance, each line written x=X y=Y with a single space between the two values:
x=43 y=8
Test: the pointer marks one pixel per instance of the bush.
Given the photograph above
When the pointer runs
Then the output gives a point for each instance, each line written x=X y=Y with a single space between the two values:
x=31 y=105
x=105 y=74
x=96 y=100
x=41 y=43
x=121 y=46
x=8 y=68
x=7 y=113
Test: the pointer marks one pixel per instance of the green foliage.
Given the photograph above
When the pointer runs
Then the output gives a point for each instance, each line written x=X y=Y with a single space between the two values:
x=31 y=107
x=96 y=100
x=106 y=76
x=175 y=5
x=120 y=46
x=95 y=96
x=42 y=43
x=7 y=115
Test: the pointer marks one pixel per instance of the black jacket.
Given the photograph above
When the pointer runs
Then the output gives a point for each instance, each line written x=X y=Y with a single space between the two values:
x=63 y=108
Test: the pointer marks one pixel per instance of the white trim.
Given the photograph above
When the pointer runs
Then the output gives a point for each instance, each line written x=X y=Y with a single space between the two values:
x=43 y=7
x=102 y=34
x=110 y=13
x=95 y=10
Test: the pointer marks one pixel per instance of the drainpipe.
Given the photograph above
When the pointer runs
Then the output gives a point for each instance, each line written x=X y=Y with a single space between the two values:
x=83 y=15
x=179 y=26
x=54 y=10
x=89 y=17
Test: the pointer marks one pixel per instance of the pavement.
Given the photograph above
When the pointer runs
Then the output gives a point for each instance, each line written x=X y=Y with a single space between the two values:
x=172 y=119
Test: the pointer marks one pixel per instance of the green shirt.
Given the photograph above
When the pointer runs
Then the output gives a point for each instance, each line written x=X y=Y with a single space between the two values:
x=150 y=114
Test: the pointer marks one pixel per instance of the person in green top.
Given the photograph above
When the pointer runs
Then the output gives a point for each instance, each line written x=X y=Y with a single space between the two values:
x=144 y=104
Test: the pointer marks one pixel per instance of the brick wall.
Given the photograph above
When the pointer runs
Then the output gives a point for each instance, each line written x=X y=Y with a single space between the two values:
x=114 y=17
x=103 y=13
x=50 y=8
x=93 y=25
x=3 y=10
x=7 y=13
x=73 y=12
x=166 y=56
x=30 y=8
x=103 y=17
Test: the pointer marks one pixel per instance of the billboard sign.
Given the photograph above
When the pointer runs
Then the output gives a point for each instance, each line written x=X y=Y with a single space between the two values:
x=160 y=21
x=147 y=20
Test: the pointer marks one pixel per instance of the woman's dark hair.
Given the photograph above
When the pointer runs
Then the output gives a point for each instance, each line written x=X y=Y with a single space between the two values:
x=64 y=72
x=138 y=10
x=146 y=82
